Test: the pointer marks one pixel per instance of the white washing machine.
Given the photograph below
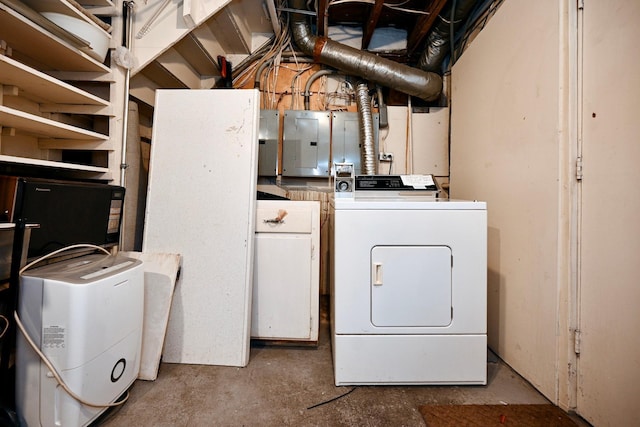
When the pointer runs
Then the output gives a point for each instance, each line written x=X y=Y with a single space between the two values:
x=409 y=294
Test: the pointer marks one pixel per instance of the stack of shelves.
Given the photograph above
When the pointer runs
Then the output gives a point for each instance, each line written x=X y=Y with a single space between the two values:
x=55 y=112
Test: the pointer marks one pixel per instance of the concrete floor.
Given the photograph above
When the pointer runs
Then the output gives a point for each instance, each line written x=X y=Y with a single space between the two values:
x=281 y=384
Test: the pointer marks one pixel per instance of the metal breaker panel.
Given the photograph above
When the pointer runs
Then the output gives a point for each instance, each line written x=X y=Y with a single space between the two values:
x=305 y=143
x=268 y=143
x=345 y=138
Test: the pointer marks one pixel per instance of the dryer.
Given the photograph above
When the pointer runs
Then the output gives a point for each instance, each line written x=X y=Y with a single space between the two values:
x=408 y=288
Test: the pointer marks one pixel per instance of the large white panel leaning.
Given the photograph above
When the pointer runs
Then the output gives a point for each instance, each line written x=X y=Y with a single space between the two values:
x=201 y=204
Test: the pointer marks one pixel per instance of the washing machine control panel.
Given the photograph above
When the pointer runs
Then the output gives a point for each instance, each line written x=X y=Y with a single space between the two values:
x=394 y=186
x=349 y=185
x=395 y=182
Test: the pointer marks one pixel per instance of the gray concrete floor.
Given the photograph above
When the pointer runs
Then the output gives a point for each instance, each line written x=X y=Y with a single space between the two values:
x=281 y=384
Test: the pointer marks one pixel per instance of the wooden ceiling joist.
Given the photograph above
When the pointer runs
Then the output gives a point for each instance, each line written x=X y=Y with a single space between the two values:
x=322 y=24
x=372 y=22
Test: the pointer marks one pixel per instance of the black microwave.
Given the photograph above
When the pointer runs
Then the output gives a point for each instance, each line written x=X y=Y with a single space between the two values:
x=66 y=212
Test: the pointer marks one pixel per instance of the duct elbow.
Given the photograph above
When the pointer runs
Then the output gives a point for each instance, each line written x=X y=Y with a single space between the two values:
x=302 y=34
x=438 y=44
x=367 y=65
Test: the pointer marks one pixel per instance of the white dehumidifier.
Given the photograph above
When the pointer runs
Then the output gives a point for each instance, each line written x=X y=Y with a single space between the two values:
x=85 y=314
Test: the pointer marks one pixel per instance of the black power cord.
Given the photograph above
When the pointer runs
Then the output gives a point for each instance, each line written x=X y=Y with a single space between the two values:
x=333 y=399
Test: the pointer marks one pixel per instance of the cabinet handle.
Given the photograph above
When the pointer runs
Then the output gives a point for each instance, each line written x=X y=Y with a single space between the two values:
x=277 y=220
x=273 y=221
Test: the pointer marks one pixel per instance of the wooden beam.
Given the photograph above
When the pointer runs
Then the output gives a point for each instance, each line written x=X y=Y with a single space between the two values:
x=372 y=22
x=144 y=89
x=174 y=63
x=424 y=24
x=210 y=45
x=322 y=24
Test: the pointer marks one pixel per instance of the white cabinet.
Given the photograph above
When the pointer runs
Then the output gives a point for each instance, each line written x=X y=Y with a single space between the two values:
x=45 y=121
x=286 y=271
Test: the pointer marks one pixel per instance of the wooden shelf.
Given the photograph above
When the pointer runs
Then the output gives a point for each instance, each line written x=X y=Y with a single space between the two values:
x=40 y=58
x=46 y=128
x=57 y=165
x=24 y=36
x=39 y=86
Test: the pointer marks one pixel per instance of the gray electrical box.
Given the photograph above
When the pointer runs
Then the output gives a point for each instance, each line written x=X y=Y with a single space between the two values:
x=345 y=139
x=268 y=143
x=305 y=143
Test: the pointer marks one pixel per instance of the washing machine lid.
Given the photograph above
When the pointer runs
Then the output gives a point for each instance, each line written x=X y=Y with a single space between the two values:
x=84 y=269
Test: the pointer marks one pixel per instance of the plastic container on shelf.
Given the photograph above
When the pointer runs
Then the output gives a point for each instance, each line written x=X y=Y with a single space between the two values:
x=96 y=37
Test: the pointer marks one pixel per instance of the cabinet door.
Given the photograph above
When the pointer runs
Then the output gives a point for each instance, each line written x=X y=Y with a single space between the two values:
x=281 y=306
x=411 y=286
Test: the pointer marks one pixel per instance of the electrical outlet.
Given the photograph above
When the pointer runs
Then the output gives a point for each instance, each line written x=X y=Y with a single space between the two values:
x=385 y=157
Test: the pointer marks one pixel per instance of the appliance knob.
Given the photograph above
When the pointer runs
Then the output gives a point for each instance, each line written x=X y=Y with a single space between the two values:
x=343 y=186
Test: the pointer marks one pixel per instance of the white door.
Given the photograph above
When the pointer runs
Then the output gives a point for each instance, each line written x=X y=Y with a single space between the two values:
x=609 y=360
x=410 y=286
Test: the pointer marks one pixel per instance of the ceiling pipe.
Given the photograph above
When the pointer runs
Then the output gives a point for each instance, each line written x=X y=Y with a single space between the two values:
x=363 y=64
x=438 y=43
x=382 y=108
x=365 y=120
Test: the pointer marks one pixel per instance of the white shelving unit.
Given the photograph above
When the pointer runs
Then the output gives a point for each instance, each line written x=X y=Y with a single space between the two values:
x=50 y=108
x=33 y=84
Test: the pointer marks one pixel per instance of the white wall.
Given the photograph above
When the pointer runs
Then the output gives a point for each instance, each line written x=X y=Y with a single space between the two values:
x=506 y=148
x=430 y=147
x=427 y=144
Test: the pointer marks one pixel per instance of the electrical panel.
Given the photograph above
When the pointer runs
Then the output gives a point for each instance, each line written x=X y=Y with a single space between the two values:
x=305 y=143
x=268 y=143
x=345 y=139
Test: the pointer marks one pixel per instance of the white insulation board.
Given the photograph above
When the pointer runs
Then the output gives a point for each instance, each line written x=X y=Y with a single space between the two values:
x=201 y=204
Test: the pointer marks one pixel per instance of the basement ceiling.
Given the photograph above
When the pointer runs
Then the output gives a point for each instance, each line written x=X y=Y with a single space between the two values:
x=181 y=48
x=416 y=17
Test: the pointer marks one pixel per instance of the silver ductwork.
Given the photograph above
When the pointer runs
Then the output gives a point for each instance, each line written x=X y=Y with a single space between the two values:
x=363 y=64
x=365 y=120
x=438 y=44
